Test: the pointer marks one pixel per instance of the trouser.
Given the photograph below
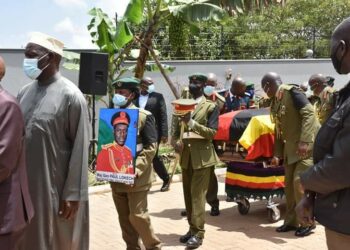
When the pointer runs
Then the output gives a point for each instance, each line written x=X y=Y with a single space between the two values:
x=134 y=220
x=337 y=241
x=292 y=189
x=11 y=241
x=195 y=185
x=159 y=167
x=212 y=193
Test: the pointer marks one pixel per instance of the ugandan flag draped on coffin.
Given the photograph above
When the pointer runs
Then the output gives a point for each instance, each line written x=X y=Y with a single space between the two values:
x=258 y=137
x=250 y=127
x=246 y=179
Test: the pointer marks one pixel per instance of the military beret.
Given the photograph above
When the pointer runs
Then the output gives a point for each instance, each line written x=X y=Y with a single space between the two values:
x=120 y=118
x=198 y=76
x=183 y=106
x=126 y=83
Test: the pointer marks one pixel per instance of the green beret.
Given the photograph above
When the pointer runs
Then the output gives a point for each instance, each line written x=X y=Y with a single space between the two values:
x=126 y=83
x=199 y=77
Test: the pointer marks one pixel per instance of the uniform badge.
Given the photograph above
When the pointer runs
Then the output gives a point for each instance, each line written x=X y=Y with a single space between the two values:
x=119 y=84
x=283 y=110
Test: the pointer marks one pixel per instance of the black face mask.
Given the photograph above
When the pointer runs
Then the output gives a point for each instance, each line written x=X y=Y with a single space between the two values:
x=195 y=90
x=338 y=63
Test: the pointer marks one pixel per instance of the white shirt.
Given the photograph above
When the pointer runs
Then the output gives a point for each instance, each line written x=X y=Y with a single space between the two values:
x=143 y=100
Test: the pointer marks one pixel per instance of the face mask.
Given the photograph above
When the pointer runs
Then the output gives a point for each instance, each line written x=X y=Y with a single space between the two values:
x=194 y=89
x=31 y=69
x=151 y=88
x=208 y=90
x=120 y=100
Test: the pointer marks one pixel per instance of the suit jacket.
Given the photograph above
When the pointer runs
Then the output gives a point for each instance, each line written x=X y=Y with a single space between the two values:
x=295 y=122
x=200 y=152
x=236 y=103
x=16 y=209
x=156 y=105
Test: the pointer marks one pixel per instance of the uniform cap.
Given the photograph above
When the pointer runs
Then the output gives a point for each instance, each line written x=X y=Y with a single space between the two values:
x=120 y=118
x=183 y=106
x=47 y=42
x=126 y=83
x=199 y=77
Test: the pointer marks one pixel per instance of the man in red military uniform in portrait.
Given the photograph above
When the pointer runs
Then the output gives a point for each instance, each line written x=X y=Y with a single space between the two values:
x=116 y=156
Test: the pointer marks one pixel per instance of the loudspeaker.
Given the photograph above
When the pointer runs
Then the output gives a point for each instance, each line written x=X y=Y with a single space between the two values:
x=93 y=73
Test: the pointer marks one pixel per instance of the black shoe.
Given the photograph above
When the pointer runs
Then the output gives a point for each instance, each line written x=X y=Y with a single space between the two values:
x=304 y=231
x=194 y=242
x=186 y=237
x=183 y=213
x=166 y=185
x=214 y=211
x=285 y=228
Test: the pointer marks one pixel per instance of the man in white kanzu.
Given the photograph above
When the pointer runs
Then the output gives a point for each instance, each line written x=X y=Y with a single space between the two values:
x=57 y=138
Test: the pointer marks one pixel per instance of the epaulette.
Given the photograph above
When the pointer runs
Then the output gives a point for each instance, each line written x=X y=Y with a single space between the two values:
x=105 y=146
x=145 y=112
x=283 y=87
x=220 y=97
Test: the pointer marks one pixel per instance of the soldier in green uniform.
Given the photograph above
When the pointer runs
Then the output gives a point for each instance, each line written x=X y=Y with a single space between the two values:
x=131 y=200
x=325 y=102
x=198 y=157
x=295 y=130
x=219 y=100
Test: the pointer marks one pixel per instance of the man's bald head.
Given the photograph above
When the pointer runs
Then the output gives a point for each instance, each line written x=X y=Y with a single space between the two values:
x=317 y=83
x=340 y=47
x=2 y=68
x=238 y=86
x=145 y=82
x=212 y=80
x=270 y=83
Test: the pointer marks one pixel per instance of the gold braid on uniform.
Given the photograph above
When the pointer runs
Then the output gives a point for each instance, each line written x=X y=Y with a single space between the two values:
x=112 y=162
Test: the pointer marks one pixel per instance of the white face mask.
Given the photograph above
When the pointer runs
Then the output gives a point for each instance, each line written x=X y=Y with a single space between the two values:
x=151 y=88
x=120 y=100
x=31 y=69
x=208 y=90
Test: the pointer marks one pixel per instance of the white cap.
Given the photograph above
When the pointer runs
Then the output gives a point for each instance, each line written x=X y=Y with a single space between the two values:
x=47 y=42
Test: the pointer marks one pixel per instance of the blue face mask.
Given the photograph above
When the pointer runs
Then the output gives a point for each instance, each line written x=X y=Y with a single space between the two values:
x=120 y=100
x=31 y=69
x=151 y=88
x=208 y=90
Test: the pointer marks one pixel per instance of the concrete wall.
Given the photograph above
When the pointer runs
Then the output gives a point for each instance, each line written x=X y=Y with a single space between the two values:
x=291 y=71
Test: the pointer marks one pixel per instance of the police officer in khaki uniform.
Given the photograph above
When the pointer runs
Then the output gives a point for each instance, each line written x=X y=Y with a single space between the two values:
x=325 y=103
x=131 y=200
x=295 y=130
x=198 y=157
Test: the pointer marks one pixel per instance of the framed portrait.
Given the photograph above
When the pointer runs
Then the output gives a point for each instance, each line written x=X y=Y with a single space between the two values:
x=117 y=145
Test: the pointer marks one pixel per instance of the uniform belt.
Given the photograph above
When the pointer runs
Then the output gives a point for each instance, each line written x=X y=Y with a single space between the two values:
x=139 y=147
x=192 y=135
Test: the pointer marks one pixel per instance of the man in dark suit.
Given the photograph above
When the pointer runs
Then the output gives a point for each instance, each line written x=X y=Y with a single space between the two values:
x=237 y=97
x=154 y=102
x=16 y=208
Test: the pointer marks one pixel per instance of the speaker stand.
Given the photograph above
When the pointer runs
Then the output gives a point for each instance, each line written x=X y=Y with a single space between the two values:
x=93 y=141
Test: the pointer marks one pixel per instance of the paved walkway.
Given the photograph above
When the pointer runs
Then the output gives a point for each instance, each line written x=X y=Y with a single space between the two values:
x=230 y=230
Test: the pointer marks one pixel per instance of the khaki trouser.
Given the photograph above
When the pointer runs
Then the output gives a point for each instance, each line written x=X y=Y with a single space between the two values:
x=195 y=186
x=337 y=241
x=212 y=193
x=134 y=220
x=292 y=189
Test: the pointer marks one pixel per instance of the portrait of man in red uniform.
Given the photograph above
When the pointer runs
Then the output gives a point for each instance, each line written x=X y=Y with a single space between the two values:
x=116 y=156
